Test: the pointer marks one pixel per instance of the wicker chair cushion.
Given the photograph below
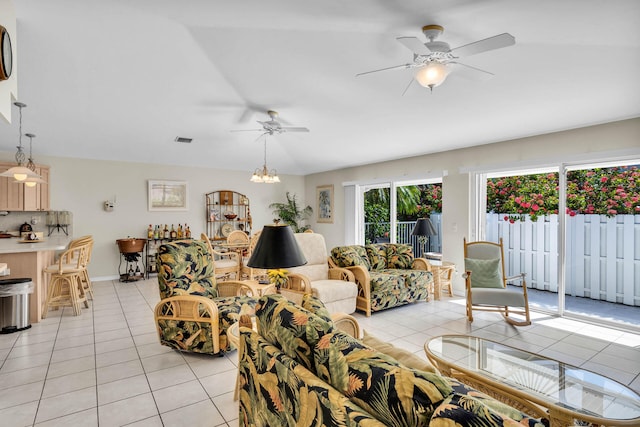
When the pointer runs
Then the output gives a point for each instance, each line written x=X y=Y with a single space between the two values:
x=293 y=329
x=399 y=256
x=377 y=254
x=383 y=282
x=349 y=256
x=476 y=408
x=186 y=335
x=185 y=268
x=392 y=393
x=412 y=278
x=229 y=309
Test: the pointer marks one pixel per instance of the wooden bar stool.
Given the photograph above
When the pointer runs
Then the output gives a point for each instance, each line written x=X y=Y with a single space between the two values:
x=66 y=286
x=86 y=281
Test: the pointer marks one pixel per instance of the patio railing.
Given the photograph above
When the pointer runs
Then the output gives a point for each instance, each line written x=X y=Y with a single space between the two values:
x=403 y=233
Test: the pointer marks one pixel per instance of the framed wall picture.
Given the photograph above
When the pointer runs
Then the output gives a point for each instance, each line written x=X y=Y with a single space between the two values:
x=168 y=196
x=324 y=197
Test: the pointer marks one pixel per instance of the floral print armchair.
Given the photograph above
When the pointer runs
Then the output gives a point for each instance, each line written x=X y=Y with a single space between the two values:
x=195 y=311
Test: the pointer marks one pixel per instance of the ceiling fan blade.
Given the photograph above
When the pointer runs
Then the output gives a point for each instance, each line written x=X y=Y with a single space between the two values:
x=294 y=129
x=495 y=42
x=414 y=45
x=247 y=130
x=395 y=67
x=408 y=86
x=469 y=72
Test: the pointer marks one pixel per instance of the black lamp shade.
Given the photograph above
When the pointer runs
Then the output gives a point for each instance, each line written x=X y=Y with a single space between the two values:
x=276 y=248
x=424 y=227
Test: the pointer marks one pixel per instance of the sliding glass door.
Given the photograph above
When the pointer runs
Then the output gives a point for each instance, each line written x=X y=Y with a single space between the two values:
x=583 y=261
x=602 y=274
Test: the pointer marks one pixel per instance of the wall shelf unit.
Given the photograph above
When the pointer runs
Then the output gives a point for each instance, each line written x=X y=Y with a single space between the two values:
x=226 y=211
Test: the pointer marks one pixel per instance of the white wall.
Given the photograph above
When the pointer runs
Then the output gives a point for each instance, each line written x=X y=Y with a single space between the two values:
x=579 y=144
x=82 y=186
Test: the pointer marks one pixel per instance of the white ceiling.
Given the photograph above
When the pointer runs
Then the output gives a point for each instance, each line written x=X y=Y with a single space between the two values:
x=120 y=79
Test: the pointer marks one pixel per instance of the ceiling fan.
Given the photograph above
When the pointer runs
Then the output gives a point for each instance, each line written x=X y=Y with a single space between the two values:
x=273 y=126
x=435 y=59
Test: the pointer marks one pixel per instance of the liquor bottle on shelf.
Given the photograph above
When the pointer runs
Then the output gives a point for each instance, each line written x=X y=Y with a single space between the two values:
x=187 y=232
x=173 y=234
x=150 y=232
x=180 y=232
x=165 y=234
x=156 y=232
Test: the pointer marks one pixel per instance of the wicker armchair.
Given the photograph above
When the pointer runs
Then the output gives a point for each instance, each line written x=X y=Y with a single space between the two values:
x=195 y=311
x=486 y=283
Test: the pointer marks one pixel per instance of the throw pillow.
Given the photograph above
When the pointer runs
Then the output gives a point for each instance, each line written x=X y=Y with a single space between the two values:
x=485 y=273
x=377 y=254
x=399 y=256
x=408 y=359
x=349 y=256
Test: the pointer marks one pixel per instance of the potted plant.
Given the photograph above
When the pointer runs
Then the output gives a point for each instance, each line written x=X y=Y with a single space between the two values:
x=292 y=214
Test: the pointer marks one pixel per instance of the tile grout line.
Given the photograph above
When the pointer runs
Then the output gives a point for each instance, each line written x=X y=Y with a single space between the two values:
x=44 y=383
x=155 y=402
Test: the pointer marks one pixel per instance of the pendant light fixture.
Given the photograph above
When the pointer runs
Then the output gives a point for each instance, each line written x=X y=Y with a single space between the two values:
x=20 y=173
x=31 y=181
x=265 y=175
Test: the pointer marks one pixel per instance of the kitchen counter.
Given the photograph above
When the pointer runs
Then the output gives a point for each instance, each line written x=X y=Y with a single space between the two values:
x=28 y=260
x=13 y=245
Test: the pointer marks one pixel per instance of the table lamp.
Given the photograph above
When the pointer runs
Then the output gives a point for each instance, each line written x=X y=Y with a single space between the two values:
x=276 y=248
x=424 y=229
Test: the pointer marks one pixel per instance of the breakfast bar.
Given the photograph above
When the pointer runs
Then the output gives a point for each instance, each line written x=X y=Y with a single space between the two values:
x=27 y=259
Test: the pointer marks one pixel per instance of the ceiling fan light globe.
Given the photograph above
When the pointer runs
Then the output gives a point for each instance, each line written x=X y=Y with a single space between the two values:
x=432 y=75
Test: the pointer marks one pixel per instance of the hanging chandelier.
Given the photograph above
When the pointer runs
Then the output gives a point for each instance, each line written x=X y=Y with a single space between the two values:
x=265 y=175
x=21 y=173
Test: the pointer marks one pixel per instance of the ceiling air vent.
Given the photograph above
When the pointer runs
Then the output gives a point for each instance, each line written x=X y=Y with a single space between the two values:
x=183 y=139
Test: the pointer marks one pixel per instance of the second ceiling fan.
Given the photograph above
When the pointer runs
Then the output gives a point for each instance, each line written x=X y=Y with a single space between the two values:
x=435 y=59
x=273 y=126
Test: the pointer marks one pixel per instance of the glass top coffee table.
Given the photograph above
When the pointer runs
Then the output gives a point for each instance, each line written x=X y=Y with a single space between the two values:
x=536 y=385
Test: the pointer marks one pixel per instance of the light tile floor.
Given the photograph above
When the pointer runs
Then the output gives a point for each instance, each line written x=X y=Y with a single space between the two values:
x=105 y=367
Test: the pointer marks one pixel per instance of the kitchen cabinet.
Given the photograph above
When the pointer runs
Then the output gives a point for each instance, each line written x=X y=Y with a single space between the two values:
x=227 y=211
x=18 y=197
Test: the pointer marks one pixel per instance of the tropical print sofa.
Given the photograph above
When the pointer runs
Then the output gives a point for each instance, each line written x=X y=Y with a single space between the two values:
x=195 y=311
x=299 y=370
x=387 y=274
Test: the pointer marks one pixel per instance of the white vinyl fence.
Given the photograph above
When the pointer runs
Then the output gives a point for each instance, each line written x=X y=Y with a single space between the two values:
x=603 y=254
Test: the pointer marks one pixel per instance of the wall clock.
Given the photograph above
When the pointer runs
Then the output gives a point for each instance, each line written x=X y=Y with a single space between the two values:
x=6 y=56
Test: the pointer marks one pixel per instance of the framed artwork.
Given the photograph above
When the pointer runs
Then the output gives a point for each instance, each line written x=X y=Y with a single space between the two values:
x=168 y=196
x=324 y=197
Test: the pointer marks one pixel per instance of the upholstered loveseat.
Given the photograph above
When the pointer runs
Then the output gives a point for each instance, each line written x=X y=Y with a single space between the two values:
x=299 y=370
x=387 y=274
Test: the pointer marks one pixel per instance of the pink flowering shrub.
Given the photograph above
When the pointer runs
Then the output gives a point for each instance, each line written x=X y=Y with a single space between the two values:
x=605 y=191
